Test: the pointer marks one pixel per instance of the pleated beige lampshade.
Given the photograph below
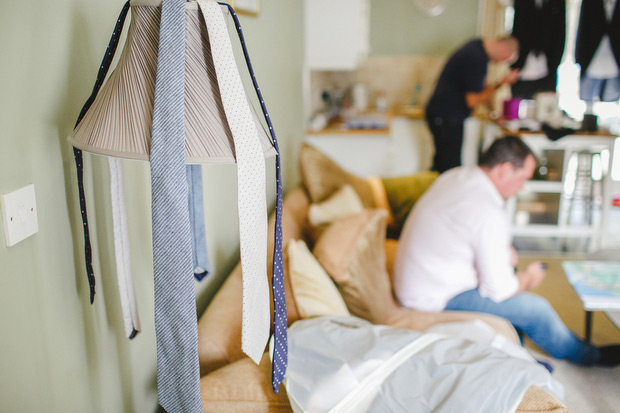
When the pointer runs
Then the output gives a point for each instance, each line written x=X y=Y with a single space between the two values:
x=119 y=121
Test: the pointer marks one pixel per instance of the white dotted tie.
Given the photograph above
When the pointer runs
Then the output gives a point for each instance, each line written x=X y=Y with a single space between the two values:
x=252 y=200
x=131 y=320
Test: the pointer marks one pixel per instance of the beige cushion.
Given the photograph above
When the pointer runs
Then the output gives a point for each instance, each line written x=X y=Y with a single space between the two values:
x=352 y=252
x=340 y=204
x=313 y=291
x=321 y=176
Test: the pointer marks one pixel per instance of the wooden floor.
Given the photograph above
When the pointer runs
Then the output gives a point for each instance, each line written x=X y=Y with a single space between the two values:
x=586 y=389
x=564 y=299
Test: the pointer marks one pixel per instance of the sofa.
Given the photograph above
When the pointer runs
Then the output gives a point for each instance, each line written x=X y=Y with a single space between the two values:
x=355 y=253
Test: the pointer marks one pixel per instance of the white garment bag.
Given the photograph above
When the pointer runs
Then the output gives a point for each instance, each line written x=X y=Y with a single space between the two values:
x=346 y=364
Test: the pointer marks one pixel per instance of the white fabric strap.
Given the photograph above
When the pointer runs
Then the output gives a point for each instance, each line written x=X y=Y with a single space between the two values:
x=252 y=202
x=129 y=307
x=366 y=390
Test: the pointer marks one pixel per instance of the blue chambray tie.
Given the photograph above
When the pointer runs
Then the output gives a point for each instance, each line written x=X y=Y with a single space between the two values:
x=202 y=267
x=178 y=373
x=280 y=349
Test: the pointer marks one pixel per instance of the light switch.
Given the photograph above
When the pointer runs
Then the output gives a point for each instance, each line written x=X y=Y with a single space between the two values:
x=19 y=215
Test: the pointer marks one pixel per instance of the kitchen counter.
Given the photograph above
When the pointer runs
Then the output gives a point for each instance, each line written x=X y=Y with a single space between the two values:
x=404 y=148
x=529 y=127
x=367 y=124
x=411 y=112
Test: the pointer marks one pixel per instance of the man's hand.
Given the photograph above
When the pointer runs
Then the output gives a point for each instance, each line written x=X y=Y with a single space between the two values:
x=532 y=276
x=511 y=77
x=473 y=99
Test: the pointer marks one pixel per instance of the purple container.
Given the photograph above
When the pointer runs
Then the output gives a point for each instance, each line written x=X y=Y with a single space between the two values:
x=511 y=108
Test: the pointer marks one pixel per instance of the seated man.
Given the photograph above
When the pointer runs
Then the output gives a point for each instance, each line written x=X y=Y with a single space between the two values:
x=455 y=254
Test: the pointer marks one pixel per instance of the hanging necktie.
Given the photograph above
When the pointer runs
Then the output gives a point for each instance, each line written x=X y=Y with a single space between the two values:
x=280 y=351
x=252 y=202
x=279 y=356
x=202 y=267
x=178 y=372
x=131 y=320
x=77 y=153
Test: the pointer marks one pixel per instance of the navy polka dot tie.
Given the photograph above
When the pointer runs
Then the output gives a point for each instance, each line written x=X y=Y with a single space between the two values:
x=280 y=350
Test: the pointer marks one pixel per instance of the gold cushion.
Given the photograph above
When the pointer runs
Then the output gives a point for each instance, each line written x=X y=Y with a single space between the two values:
x=403 y=192
x=313 y=291
x=352 y=252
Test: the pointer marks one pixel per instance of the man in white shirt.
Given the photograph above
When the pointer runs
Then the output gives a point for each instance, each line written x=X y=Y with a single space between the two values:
x=455 y=254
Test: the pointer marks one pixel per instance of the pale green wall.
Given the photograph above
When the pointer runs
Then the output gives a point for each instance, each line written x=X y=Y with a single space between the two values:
x=399 y=28
x=59 y=353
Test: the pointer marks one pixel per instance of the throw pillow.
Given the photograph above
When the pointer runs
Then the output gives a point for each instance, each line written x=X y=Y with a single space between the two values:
x=352 y=252
x=321 y=176
x=313 y=291
x=403 y=192
x=340 y=204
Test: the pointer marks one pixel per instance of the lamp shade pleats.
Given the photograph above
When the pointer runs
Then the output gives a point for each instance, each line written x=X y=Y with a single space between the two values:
x=120 y=119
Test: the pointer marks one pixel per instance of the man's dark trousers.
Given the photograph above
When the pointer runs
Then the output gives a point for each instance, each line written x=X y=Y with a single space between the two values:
x=448 y=138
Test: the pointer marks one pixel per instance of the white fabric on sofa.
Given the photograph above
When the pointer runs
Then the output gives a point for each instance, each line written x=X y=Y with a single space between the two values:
x=346 y=364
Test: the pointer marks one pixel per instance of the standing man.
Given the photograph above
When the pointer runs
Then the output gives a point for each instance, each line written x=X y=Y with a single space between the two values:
x=455 y=254
x=460 y=88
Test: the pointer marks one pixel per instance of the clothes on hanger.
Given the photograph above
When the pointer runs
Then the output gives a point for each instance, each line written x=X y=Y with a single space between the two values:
x=598 y=50
x=540 y=28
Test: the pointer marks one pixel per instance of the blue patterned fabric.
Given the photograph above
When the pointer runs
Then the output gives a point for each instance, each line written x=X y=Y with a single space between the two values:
x=178 y=372
x=202 y=267
x=280 y=352
x=605 y=90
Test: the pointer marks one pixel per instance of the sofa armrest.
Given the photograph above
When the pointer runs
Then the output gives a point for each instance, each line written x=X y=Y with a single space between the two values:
x=243 y=386
x=219 y=328
x=537 y=400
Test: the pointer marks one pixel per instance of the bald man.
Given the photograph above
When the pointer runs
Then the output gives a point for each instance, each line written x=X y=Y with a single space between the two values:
x=460 y=88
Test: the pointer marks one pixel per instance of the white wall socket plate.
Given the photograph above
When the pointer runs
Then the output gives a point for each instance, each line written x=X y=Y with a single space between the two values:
x=19 y=215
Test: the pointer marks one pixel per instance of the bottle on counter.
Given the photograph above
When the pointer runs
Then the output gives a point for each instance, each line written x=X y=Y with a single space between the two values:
x=417 y=93
x=360 y=97
x=381 y=101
